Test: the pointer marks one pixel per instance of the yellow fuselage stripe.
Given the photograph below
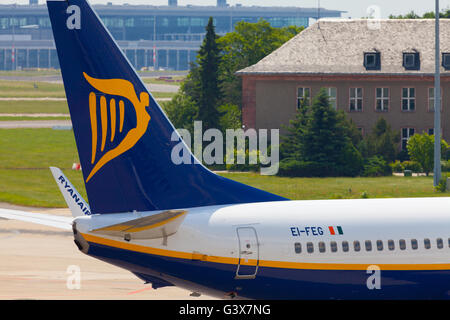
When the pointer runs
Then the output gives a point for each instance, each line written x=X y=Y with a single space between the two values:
x=262 y=263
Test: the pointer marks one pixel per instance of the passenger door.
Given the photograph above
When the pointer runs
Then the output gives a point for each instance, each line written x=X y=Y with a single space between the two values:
x=248 y=253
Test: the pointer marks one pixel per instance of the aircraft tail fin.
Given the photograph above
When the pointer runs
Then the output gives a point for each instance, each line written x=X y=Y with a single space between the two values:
x=123 y=137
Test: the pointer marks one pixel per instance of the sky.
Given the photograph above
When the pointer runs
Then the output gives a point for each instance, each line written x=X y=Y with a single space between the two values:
x=354 y=8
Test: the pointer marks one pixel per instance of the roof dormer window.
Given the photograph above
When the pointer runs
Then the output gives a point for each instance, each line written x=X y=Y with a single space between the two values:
x=446 y=60
x=411 y=60
x=372 y=60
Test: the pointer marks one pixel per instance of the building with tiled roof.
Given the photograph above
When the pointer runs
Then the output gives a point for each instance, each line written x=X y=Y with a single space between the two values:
x=370 y=69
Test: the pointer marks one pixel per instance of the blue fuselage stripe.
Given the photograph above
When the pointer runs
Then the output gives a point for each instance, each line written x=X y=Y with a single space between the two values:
x=282 y=283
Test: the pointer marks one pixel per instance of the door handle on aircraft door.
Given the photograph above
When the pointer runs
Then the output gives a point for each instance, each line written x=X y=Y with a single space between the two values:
x=246 y=252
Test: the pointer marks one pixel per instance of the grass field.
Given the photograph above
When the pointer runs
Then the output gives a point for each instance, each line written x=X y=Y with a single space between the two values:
x=162 y=81
x=34 y=106
x=31 y=73
x=31 y=89
x=26 y=154
x=25 y=118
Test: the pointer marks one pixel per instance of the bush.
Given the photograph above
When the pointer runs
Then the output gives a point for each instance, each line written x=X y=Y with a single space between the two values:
x=442 y=186
x=445 y=166
x=375 y=167
x=246 y=166
x=397 y=166
x=412 y=165
x=295 y=168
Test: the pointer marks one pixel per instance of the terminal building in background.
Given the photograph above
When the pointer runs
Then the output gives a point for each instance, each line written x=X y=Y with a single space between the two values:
x=154 y=37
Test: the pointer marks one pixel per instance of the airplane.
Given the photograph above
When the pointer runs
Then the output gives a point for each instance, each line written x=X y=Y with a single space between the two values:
x=183 y=225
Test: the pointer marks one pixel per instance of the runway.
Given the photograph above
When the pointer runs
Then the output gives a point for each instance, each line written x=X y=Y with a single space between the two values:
x=39 y=262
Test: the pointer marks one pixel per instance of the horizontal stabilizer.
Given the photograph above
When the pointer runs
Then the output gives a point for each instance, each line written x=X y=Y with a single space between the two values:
x=38 y=218
x=151 y=227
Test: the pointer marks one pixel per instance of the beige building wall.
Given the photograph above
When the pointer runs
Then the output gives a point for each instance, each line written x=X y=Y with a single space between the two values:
x=276 y=102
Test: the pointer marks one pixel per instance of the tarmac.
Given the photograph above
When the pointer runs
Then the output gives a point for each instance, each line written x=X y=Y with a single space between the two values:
x=42 y=263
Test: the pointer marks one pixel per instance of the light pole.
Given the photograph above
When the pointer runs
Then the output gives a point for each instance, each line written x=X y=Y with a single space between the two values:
x=437 y=103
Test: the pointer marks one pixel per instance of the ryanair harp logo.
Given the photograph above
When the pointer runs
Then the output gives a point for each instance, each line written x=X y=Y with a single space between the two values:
x=121 y=88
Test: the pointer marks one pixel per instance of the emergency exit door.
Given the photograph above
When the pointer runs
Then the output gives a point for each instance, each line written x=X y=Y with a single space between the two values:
x=248 y=253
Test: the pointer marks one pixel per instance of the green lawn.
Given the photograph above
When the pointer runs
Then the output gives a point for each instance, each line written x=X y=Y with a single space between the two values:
x=340 y=188
x=158 y=95
x=31 y=73
x=26 y=154
x=26 y=118
x=33 y=106
x=31 y=89
x=162 y=81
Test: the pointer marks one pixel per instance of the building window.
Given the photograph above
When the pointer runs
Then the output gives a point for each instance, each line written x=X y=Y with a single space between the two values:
x=298 y=247
x=356 y=99
x=431 y=99
x=391 y=245
x=446 y=60
x=372 y=60
x=406 y=134
x=408 y=99
x=382 y=99
x=411 y=60
x=414 y=244
x=332 y=95
x=303 y=97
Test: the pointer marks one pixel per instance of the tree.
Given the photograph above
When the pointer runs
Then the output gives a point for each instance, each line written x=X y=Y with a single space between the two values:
x=319 y=141
x=245 y=46
x=209 y=58
x=383 y=141
x=421 y=149
x=182 y=112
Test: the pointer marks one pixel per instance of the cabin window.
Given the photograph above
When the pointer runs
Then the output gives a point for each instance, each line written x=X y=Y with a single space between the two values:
x=321 y=246
x=368 y=245
x=427 y=243
x=356 y=245
x=402 y=244
x=333 y=246
x=391 y=245
x=414 y=244
x=379 y=245
x=439 y=243
x=345 y=246
x=298 y=247
x=310 y=247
